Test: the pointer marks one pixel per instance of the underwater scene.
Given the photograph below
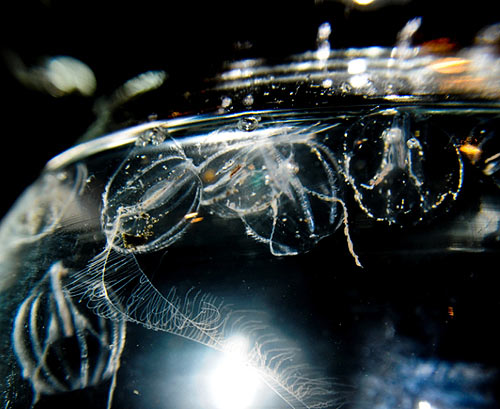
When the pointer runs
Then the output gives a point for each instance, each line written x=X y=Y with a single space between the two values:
x=324 y=233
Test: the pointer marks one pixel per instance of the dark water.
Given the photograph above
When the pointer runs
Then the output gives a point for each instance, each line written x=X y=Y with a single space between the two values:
x=340 y=260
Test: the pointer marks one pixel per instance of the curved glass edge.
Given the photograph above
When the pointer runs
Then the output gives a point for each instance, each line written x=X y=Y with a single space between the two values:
x=129 y=135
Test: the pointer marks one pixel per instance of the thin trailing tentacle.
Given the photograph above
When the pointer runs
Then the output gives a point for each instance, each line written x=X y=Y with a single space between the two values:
x=115 y=284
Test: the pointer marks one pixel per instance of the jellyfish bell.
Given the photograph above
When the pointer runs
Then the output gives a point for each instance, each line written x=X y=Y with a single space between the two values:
x=55 y=341
x=401 y=166
x=264 y=182
x=147 y=199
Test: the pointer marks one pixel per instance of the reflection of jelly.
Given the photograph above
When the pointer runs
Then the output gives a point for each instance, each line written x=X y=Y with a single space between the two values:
x=50 y=329
x=400 y=166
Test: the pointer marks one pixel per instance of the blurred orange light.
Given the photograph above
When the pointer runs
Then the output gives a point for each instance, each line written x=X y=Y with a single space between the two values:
x=451 y=311
x=438 y=45
x=450 y=65
x=464 y=84
x=193 y=217
x=473 y=152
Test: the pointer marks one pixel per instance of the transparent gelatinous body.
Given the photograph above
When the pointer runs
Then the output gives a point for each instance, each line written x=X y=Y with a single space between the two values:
x=400 y=166
x=190 y=227
x=59 y=348
x=147 y=199
x=282 y=184
x=45 y=208
x=157 y=192
x=257 y=175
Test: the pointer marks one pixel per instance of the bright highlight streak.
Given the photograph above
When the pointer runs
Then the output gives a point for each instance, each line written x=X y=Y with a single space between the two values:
x=233 y=384
x=363 y=2
x=450 y=65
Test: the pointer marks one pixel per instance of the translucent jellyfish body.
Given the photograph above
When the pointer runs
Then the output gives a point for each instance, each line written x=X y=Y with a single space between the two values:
x=45 y=205
x=252 y=173
x=59 y=347
x=279 y=180
x=165 y=210
x=48 y=206
x=282 y=183
x=148 y=197
x=400 y=166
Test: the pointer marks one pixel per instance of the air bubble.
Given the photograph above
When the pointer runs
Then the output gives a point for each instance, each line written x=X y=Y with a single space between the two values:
x=359 y=80
x=154 y=136
x=249 y=123
x=323 y=45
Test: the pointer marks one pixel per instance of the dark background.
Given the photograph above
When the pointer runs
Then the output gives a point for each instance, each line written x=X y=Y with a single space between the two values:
x=187 y=39
x=190 y=40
